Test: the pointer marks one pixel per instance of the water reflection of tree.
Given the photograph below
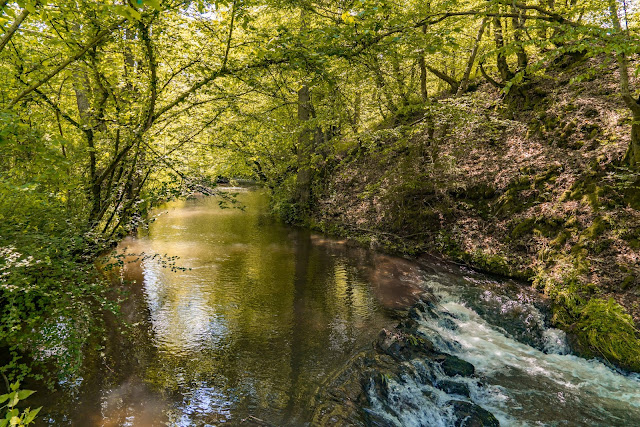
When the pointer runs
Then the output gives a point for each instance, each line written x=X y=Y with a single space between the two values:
x=300 y=283
x=280 y=312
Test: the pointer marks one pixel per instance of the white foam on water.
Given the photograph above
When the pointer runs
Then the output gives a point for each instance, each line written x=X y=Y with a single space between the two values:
x=519 y=384
x=586 y=389
x=555 y=341
x=414 y=402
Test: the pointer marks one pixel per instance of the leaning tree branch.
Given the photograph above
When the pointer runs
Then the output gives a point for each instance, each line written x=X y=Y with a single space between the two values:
x=464 y=83
x=488 y=78
x=11 y=31
x=93 y=42
x=448 y=79
x=229 y=37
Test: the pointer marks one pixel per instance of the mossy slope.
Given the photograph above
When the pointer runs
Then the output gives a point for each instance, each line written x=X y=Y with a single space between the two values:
x=524 y=188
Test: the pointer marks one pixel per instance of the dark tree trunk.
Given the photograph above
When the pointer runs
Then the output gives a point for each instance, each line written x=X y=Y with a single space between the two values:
x=632 y=157
x=423 y=79
x=633 y=152
x=501 y=60
x=399 y=79
x=518 y=25
x=382 y=86
x=357 y=110
x=422 y=63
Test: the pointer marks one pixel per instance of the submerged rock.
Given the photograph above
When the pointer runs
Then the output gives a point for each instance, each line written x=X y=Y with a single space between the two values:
x=471 y=415
x=452 y=366
x=452 y=387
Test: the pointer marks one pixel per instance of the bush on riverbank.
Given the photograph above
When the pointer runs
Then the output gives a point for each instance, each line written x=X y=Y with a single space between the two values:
x=524 y=187
x=50 y=290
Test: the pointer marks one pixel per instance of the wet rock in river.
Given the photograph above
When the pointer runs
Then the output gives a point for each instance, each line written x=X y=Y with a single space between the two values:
x=408 y=326
x=415 y=314
x=448 y=324
x=426 y=306
x=400 y=379
x=452 y=365
x=471 y=415
x=452 y=387
x=403 y=346
x=371 y=418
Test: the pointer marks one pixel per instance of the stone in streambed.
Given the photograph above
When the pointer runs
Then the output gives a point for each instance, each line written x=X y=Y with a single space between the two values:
x=408 y=326
x=371 y=418
x=471 y=415
x=415 y=314
x=448 y=324
x=452 y=365
x=452 y=387
x=403 y=346
x=427 y=308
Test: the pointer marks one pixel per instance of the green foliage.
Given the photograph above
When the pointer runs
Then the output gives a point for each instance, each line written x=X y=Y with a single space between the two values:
x=283 y=203
x=601 y=326
x=49 y=287
x=47 y=298
x=12 y=415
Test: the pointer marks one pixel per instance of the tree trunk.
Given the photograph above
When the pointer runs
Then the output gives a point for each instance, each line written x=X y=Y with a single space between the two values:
x=464 y=84
x=423 y=79
x=632 y=157
x=12 y=30
x=357 y=110
x=382 y=86
x=501 y=60
x=129 y=61
x=422 y=62
x=518 y=25
x=81 y=89
x=395 y=61
x=488 y=77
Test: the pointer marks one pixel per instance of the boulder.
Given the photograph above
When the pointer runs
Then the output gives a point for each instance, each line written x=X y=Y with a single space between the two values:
x=471 y=415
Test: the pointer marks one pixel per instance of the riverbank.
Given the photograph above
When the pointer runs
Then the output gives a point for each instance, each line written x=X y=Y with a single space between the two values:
x=527 y=187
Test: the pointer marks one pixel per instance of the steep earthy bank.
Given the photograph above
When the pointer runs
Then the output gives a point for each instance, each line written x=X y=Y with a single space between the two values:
x=527 y=186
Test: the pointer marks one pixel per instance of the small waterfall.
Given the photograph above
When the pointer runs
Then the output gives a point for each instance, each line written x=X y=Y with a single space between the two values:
x=524 y=372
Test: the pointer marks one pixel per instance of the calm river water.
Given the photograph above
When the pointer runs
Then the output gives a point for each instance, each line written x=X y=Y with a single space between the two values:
x=257 y=315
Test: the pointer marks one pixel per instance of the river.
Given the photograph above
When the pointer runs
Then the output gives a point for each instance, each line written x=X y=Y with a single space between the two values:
x=237 y=319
